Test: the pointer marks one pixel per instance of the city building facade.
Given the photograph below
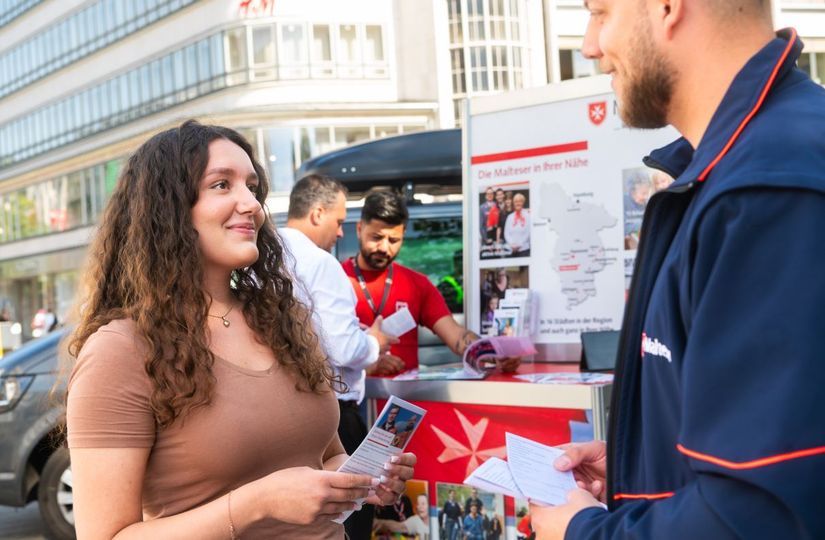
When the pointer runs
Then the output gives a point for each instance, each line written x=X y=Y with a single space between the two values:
x=84 y=82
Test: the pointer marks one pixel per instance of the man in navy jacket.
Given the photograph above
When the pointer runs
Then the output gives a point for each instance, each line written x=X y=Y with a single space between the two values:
x=716 y=428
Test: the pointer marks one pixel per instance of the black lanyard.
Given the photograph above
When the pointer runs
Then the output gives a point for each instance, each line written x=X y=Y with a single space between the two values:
x=363 y=283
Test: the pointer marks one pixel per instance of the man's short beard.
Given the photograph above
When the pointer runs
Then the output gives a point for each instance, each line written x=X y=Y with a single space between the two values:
x=372 y=263
x=648 y=95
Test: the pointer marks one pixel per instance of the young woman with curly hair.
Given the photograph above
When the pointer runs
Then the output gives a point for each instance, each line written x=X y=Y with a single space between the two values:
x=200 y=404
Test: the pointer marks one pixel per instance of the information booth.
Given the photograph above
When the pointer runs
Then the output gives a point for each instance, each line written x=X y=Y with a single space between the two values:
x=571 y=172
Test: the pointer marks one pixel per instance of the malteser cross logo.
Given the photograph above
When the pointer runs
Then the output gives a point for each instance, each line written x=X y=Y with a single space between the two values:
x=597 y=112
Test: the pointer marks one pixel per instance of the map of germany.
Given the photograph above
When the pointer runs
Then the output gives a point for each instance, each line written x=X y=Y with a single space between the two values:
x=579 y=253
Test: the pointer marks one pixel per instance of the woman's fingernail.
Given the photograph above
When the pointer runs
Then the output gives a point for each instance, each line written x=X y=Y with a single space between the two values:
x=370 y=493
x=563 y=463
x=387 y=466
x=357 y=506
x=395 y=459
x=384 y=479
x=375 y=481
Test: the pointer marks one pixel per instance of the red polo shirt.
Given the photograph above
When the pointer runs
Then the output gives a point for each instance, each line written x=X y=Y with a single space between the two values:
x=408 y=288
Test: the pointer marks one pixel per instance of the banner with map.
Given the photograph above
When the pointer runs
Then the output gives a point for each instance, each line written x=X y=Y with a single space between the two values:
x=556 y=185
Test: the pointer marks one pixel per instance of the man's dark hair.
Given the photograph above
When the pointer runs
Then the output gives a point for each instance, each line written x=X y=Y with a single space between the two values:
x=312 y=190
x=385 y=206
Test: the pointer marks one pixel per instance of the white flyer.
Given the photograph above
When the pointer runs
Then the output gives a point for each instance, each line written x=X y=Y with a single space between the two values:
x=494 y=475
x=532 y=466
x=528 y=473
x=399 y=323
x=388 y=437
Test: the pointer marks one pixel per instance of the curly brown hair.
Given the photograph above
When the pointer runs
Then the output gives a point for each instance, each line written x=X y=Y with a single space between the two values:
x=144 y=265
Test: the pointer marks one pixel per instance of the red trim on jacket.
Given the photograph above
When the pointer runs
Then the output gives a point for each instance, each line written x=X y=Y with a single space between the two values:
x=754 y=464
x=649 y=496
x=756 y=107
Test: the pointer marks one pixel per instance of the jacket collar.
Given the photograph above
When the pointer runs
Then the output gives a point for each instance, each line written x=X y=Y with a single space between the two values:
x=741 y=103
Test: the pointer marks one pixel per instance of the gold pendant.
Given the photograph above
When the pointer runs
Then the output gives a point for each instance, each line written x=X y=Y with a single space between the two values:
x=225 y=322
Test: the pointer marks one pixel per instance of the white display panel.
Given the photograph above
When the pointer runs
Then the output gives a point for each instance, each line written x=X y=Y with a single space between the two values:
x=577 y=188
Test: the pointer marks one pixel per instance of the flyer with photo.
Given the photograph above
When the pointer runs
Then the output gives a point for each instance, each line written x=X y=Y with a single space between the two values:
x=388 y=437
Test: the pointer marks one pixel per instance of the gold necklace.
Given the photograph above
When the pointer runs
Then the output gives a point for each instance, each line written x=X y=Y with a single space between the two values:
x=223 y=317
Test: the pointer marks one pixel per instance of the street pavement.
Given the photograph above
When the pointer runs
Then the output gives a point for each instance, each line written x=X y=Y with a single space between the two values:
x=21 y=523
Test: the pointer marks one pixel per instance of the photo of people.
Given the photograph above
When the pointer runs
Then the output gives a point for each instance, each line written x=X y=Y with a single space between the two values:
x=389 y=421
x=524 y=528
x=468 y=513
x=408 y=518
x=494 y=284
x=506 y=326
x=401 y=423
x=639 y=185
x=504 y=221
x=403 y=434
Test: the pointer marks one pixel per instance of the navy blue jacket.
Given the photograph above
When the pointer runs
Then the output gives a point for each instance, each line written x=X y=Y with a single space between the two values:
x=717 y=426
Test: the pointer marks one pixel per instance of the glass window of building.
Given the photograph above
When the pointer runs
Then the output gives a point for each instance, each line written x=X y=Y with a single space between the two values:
x=458 y=70
x=814 y=64
x=293 y=52
x=493 y=43
x=79 y=35
x=70 y=211
x=196 y=70
x=476 y=20
x=235 y=44
x=321 y=54
x=500 y=71
x=456 y=25
x=263 y=52
x=478 y=69
x=345 y=136
x=349 y=51
x=573 y=64
x=11 y=9
x=375 y=65
x=498 y=21
x=279 y=158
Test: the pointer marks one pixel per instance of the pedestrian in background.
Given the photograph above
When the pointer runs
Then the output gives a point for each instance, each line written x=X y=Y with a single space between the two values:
x=200 y=404
x=317 y=210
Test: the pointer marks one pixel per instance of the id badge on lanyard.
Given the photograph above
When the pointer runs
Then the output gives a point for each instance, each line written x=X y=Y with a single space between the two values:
x=363 y=283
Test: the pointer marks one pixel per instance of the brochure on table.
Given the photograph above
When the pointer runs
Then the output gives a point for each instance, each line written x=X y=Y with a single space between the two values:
x=389 y=436
x=554 y=191
x=478 y=361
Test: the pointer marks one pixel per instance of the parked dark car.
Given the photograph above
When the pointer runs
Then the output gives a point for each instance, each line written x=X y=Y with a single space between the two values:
x=33 y=464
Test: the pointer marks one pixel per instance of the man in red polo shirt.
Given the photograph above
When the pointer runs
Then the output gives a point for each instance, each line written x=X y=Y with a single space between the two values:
x=383 y=286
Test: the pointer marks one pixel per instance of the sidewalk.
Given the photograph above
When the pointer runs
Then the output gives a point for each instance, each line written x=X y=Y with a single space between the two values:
x=21 y=523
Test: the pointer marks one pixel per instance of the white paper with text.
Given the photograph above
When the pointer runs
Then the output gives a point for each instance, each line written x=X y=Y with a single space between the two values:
x=399 y=323
x=388 y=437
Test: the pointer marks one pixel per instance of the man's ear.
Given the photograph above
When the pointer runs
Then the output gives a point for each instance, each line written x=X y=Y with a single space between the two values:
x=358 y=229
x=315 y=214
x=669 y=13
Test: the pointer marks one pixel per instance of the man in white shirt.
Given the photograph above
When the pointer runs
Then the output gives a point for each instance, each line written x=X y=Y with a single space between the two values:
x=317 y=209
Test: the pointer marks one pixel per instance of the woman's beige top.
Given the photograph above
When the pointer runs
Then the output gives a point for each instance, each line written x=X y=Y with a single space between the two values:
x=257 y=423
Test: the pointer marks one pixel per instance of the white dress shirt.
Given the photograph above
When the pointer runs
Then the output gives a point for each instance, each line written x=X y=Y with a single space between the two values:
x=517 y=233
x=322 y=284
